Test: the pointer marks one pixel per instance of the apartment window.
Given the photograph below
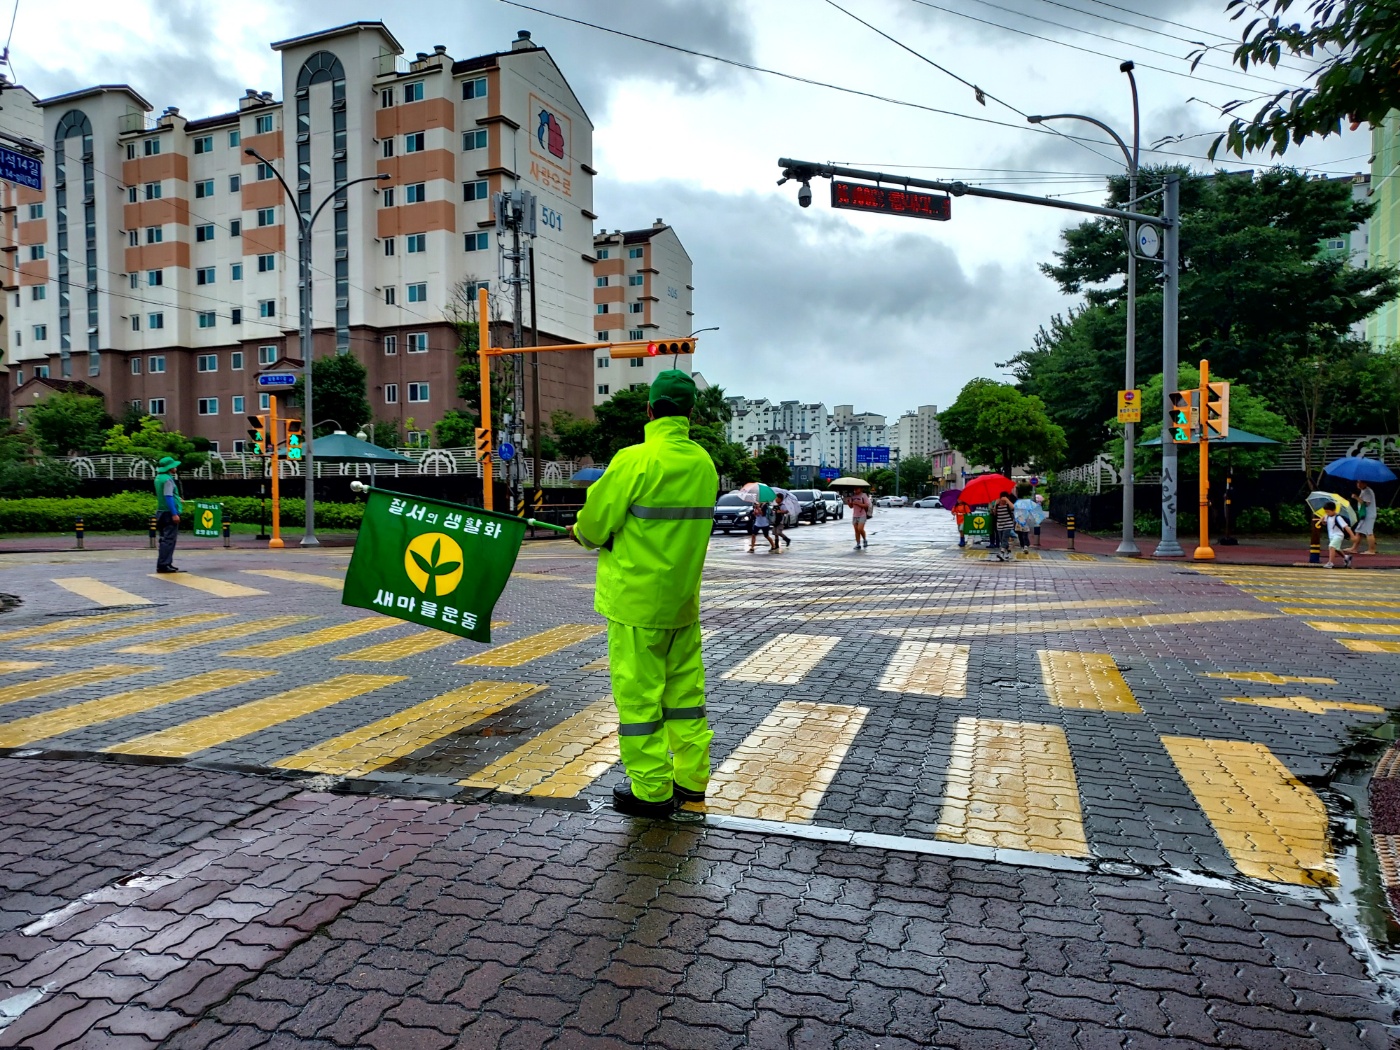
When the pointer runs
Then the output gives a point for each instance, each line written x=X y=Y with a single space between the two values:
x=154 y=321
x=415 y=193
x=263 y=125
x=267 y=263
x=386 y=98
x=417 y=342
x=634 y=280
x=36 y=251
x=155 y=278
x=41 y=371
x=602 y=388
x=635 y=334
x=208 y=406
x=152 y=191
x=206 y=363
x=604 y=362
x=239 y=445
x=634 y=253
x=136 y=366
x=386 y=148
x=206 y=319
x=601 y=308
x=637 y=362
x=634 y=308
x=414 y=142
x=475 y=191
x=603 y=253
x=391 y=393
x=417 y=243
x=237 y=407
x=471 y=288
x=204 y=144
x=235 y=183
x=155 y=406
x=264 y=172
x=386 y=197
x=477 y=242
x=235 y=361
x=267 y=355
x=264 y=402
x=267 y=216
x=602 y=337
x=267 y=307
x=132 y=238
x=600 y=282
x=474 y=88
x=41 y=332
x=132 y=196
x=388 y=246
x=413 y=92
x=418 y=293
x=136 y=322
x=391 y=295
x=204 y=188
x=417 y=392
x=391 y=345
x=36 y=211
x=151 y=147
x=131 y=151
x=204 y=275
x=39 y=291
x=155 y=365
x=235 y=227
x=234 y=138
x=474 y=139
x=235 y=271
x=204 y=233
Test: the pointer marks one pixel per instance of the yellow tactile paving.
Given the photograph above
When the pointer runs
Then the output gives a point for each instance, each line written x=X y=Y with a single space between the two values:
x=12 y=666
x=73 y=624
x=102 y=593
x=211 y=635
x=1269 y=678
x=1027 y=556
x=971 y=610
x=104 y=709
x=1317 y=625
x=927 y=669
x=1086 y=682
x=1011 y=785
x=412 y=645
x=784 y=659
x=1351 y=612
x=561 y=761
x=1082 y=557
x=311 y=639
x=1014 y=625
x=186 y=739
x=1366 y=645
x=1272 y=825
x=523 y=650
x=783 y=768
x=1305 y=704
x=68 y=680
x=172 y=623
x=331 y=582
x=386 y=741
x=209 y=585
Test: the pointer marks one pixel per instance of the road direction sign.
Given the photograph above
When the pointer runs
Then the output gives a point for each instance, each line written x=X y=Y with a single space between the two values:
x=276 y=379
x=21 y=168
x=506 y=451
x=872 y=454
x=830 y=473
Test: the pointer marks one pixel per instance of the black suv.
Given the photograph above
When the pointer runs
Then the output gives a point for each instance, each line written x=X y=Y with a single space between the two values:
x=732 y=512
x=814 y=508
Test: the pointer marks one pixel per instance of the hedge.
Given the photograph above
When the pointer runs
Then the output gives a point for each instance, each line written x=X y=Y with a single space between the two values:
x=131 y=511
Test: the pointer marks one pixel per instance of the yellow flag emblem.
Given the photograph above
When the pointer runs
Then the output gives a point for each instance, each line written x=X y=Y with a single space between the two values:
x=433 y=562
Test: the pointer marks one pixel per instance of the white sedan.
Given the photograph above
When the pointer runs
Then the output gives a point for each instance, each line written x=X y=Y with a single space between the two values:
x=891 y=501
x=929 y=501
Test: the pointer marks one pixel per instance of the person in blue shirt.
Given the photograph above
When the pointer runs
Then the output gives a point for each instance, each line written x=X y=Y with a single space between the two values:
x=168 y=507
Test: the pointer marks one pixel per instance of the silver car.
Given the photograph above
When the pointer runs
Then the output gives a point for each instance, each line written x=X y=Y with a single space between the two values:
x=835 y=505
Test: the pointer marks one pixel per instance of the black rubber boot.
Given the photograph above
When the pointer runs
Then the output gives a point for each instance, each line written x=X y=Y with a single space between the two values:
x=627 y=803
x=683 y=795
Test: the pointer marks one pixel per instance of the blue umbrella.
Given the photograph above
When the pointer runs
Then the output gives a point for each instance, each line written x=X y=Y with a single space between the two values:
x=1359 y=468
x=587 y=474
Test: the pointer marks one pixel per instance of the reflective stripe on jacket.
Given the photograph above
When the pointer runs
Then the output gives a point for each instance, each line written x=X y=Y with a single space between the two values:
x=651 y=514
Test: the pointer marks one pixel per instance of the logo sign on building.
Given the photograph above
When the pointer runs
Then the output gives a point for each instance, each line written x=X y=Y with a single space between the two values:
x=208 y=519
x=276 y=379
x=857 y=196
x=872 y=454
x=551 y=146
x=21 y=168
x=1130 y=406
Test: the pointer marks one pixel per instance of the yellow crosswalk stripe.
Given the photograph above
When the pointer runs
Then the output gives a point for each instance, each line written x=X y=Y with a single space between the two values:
x=927 y=669
x=209 y=585
x=1344 y=603
x=112 y=634
x=600 y=664
x=1082 y=557
x=12 y=666
x=386 y=741
x=523 y=650
x=214 y=634
x=59 y=626
x=1366 y=645
x=189 y=737
x=68 y=680
x=966 y=610
x=78 y=716
x=783 y=768
x=1086 y=682
x=1305 y=704
x=325 y=636
x=1318 y=625
x=99 y=592
x=1351 y=613
x=332 y=582
x=1011 y=785
x=1269 y=678
x=561 y=761
x=1272 y=825
x=1103 y=622
x=784 y=659
x=411 y=645
x=1027 y=556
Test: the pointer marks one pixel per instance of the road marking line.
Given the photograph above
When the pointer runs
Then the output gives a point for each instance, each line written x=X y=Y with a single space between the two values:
x=1269 y=678
x=1366 y=645
x=68 y=680
x=325 y=636
x=784 y=659
x=1305 y=704
x=383 y=742
x=1351 y=613
x=600 y=664
x=189 y=737
x=79 y=716
x=11 y=666
x=1082 y=557
x=561 y=761
x=1086 y=682
x=332 y=582
x=1011 y=785
x=966 y=610
x=1027 y=556
x=1272 y=825
x=783 y=768
x=209 y=585
x=214 y=634
x=101 y=593
x=540 y=576
x=1317 y=625
x=523 y=650
x=57 y=626
x=1098 y=622
x=1345 y=603
x=411 y=645
x=170 y=624
x=927 y=669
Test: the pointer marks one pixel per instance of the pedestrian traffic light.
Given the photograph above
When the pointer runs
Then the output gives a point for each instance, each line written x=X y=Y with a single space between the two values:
x=257 y=433
x=294 y=439
x=1217 y=411
x=1185 y=416
x=652 y=348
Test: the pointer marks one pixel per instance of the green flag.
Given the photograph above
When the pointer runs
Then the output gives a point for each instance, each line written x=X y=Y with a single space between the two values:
x=432 y=563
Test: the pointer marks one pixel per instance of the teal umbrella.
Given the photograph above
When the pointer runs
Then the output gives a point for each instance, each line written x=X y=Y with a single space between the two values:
x=1237 y=437
x=343 y=448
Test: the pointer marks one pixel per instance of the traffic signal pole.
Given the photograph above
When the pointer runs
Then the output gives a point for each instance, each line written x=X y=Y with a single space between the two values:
x=483 y=357
x=276 y=540
x=1203 y=551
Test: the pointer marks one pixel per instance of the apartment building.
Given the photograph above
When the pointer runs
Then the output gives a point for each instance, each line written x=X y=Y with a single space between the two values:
x=916 y=432
x=850 y=430
x=168 y=256
x=642 y=290
x=21 y=128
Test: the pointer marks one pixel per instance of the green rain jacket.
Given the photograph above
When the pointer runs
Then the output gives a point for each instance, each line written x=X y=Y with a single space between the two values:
x=651 y=514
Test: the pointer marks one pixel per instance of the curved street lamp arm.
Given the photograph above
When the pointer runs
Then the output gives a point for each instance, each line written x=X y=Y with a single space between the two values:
x=1127 y=67
x=341 y=189
x=287 y=189
x=1128 y=155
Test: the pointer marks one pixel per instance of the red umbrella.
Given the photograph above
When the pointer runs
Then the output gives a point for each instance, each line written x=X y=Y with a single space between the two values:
x=986 y=489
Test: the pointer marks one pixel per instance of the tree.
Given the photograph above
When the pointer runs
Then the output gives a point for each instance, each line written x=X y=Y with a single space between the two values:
x=1355 y=46
x=711 y=407
x=915 y=474
x=622 y=421
x=338 y=394
x=996 y=424
x=576 y=438
x=773 y=468
x=67 y=424
x=455 y=430
x=153 y=442
x=881 y=481
x=731 y=458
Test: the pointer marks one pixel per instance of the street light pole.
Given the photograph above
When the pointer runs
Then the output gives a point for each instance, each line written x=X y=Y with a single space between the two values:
x=304 y=289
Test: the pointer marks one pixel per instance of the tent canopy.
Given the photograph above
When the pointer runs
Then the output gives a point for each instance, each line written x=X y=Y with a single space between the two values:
x=347 y=449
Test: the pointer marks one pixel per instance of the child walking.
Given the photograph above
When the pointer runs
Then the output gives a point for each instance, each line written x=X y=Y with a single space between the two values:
x=761 y=524
x=1337 y=531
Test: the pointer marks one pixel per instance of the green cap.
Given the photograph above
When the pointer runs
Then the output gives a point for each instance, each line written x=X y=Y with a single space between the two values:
x=675 y=388
x=167 y=464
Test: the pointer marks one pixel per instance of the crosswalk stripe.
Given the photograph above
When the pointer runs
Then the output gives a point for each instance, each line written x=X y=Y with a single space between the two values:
x=1082 y=557
x=1318 y=625
x=410 y=645
x=927 y=669
x=967 y=610
x=1305 y=704
x=72 y=624
x=12 y=666
x=210 y=635
x=523 y=650
x=560 y=762
x=1366 y=645
x=209 y=585
x=1352 y=613
x=104 y=709
x=325 y=636
x=189 y=737
x=1086 y=682
x=1269 y=678
x=1098 y=622
x=784 y=659
x=332 y=582
x=1270 y=823
x=101 y=593
x=130 y=631
x=783 y=768
x=68 y=680
x=1345 y=603
x=1011 y=785
x=383 y=742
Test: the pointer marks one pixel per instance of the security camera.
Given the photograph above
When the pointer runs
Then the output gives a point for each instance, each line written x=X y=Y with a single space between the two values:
x=804 y=195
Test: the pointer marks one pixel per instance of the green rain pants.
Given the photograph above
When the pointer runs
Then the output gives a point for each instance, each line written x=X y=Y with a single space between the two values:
x=658 y=683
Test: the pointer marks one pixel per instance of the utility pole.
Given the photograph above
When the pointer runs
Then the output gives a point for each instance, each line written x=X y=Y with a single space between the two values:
x=535 y=372
x=1171 y=216
x=515 y=211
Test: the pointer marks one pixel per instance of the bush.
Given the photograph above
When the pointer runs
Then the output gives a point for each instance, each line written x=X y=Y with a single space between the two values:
x=1294 y=517
x=1253 y=519
x=1388 y=519
x=43 y=477
x=131 y=511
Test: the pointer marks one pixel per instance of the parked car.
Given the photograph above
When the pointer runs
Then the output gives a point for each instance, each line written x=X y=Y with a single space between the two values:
x=835 y=505
x=814 y=508
x=891 y=501
x=928 y=501
x=732 y=512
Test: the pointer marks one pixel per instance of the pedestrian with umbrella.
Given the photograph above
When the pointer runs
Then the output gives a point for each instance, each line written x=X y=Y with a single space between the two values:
x=1364 y=472
x=762 y=497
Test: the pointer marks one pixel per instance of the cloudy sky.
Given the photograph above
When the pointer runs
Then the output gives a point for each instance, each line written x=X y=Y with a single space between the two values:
x=812 y=304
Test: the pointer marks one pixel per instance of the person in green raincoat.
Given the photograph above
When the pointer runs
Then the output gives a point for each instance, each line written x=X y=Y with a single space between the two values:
x=168 y=507
x=649 y=516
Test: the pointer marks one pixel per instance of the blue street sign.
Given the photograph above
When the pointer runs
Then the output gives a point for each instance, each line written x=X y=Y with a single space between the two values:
x=872 y=454
x=506 y=451
x=830 y=473
x=21 y=168
x=277 y=379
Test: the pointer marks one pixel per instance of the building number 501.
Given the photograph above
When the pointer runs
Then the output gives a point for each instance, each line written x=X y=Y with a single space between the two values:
x=552 y=218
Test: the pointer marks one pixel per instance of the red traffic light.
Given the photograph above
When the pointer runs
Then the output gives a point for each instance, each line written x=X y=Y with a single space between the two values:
x=652 y=350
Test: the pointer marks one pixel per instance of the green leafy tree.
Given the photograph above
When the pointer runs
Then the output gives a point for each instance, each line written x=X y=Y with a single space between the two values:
x=915 y=474
x=996 y=424
x=881 y=481
x=153 y=442
x=455 y=430
x=710 y=406
x=462 y=312
x=338 y=393
x=67 y=424
x=731 y=458
x=773 y=466
x=575 y=437
x=622 y=421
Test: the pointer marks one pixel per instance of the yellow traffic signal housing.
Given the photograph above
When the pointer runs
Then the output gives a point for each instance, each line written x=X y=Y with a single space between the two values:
x=294 y=436
x=1185 y=416
x=483 y=443
x=652 y=348
x=1217 y=411
x=257 y=434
